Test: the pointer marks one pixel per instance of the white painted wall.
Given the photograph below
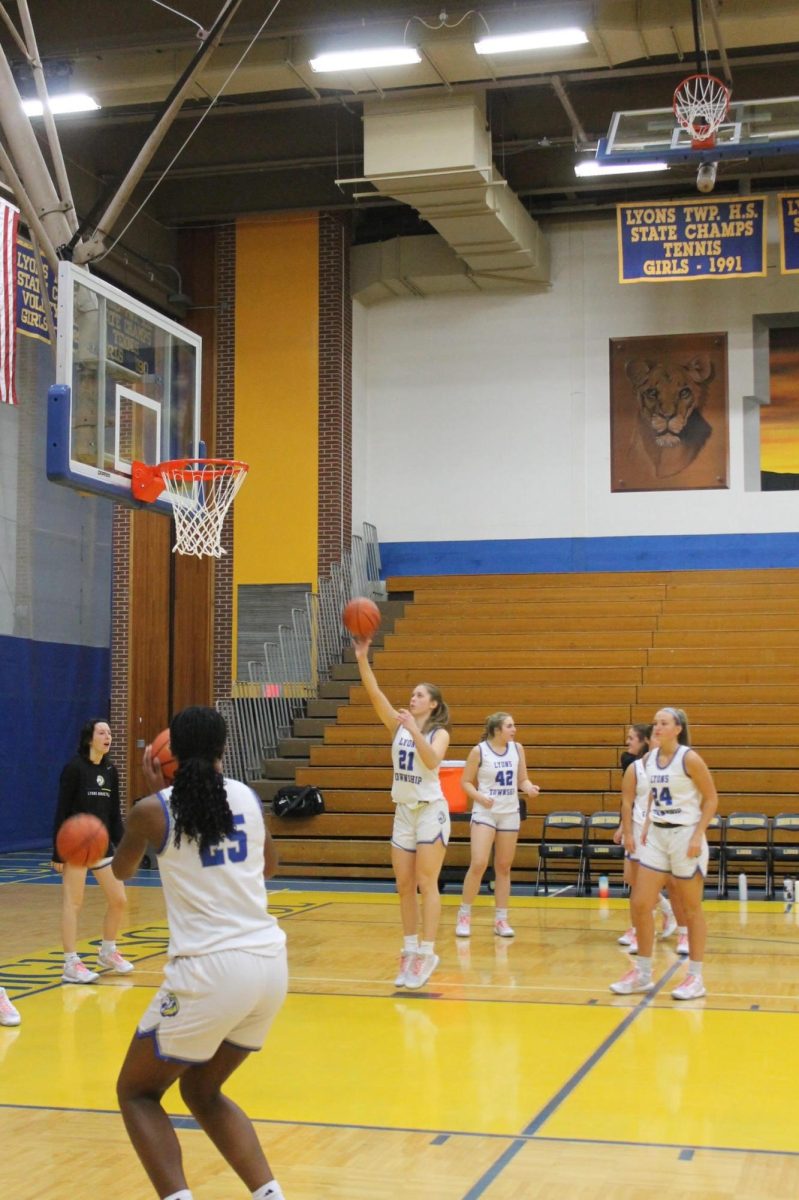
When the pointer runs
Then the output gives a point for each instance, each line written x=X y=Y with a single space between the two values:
x=487 y=417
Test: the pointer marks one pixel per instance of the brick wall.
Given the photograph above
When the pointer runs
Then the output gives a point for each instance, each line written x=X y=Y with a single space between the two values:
x=120 y=639
x=335 y=389
x=222 y=671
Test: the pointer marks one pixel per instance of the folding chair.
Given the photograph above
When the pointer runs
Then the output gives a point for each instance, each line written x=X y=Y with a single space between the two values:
x=715 y=841
x=747 y=844
x=561 y=843
x=599 y=847
x=784 y=848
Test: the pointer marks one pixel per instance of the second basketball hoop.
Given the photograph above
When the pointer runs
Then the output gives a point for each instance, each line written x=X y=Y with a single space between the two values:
x=201 y=490
x=701 y=103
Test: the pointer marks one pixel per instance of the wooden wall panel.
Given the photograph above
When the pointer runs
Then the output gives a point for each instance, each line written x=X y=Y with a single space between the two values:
x=150 y=614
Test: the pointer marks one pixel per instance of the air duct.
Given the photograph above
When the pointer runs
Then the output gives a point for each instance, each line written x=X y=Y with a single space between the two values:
x=434 y=153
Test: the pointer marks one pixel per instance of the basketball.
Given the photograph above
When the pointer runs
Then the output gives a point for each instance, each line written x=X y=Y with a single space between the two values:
x=161 y=751
x=82 y=840
x=361 y=617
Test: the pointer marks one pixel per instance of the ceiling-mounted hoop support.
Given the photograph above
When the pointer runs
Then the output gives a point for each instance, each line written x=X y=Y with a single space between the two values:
x=201 y=490
x=701 y=102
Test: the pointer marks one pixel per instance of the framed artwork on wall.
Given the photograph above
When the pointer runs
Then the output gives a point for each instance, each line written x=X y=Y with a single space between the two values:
x=668 y=412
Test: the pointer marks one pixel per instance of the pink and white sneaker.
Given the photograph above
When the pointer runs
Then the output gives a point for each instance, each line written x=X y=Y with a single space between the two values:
x=75 y=972
x=404 y=963
x=627 y=938
x=633 y=981
x=682 y=946
x=691 y=988
x=464 y=925
x=115 y=962
x=8 y=1014
x=669 y=924
x=503 y=929
x=421 y=968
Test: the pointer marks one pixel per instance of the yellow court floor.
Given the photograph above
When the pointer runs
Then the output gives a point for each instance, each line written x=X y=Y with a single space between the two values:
x=515 y=1074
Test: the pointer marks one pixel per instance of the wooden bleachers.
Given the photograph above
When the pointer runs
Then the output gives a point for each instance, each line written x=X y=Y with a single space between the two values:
x=576 y=659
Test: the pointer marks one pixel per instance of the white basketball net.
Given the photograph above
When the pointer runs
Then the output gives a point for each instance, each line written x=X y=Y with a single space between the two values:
x=201 y=492
x=701 y=103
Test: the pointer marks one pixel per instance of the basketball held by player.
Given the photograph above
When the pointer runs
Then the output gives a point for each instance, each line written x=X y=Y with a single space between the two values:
x=635 y=795
x=89 y=783
x=495 y=773
x=683 y=801
x=420 y=835
x=226 y=975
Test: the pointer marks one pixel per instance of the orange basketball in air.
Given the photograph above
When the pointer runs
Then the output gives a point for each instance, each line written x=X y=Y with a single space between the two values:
x=161 y=751
x=82 y=840
x=361 y=617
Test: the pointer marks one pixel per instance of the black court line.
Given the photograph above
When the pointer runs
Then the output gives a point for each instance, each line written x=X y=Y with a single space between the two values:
x=564 y=1092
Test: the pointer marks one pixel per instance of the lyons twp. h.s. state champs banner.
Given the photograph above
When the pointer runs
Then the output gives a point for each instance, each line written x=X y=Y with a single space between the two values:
x=9 y=221
x=669 y=240
x=788 y=209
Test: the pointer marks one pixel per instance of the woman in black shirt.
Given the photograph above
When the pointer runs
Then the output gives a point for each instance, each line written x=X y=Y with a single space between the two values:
x=89 y=784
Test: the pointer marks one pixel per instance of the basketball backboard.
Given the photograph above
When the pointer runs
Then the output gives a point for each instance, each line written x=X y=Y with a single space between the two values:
x=752 y=129
x=127 y=388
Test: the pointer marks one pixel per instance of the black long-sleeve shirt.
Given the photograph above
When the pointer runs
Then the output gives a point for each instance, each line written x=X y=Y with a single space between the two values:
x=87 y=787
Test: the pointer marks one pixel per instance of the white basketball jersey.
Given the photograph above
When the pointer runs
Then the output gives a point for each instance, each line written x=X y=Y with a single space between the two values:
x=642 y=790
x=414 y=783
x=217 y=900
x=676 y=799
x=498 y=777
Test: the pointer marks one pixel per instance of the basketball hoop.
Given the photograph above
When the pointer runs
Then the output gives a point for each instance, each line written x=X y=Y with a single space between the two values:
x=701 y=102
x=201 y=490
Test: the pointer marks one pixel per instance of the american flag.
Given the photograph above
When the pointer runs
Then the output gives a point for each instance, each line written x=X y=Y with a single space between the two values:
x=9 y=216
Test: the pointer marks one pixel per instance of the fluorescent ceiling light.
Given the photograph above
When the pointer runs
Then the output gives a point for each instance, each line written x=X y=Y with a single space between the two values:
x=592 y=167
x=541 y=39
x=363 y=60
x=68 y=102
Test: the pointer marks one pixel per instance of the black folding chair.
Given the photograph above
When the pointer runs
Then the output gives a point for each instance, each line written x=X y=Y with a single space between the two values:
x=784 y=849
x=746 y=845
x=561 y=848
x=599 y=848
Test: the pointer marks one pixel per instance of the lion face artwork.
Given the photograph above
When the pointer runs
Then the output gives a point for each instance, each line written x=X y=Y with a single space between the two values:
x=668 y=412
x=670 y=396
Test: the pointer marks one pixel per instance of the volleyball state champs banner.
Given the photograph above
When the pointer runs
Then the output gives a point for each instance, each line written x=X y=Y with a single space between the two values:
x=692 y=239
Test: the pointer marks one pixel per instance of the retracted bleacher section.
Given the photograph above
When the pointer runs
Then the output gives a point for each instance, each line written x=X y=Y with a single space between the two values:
x=575 y=659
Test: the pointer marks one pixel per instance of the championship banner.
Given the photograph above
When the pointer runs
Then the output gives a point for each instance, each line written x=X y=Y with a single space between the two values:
x=789 y=233
x=9 y=220
x=692 y=239
x=31 y=314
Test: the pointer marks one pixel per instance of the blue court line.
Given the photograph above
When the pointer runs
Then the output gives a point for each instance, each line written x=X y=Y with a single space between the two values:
x=437 y=1138
x=686 y=1155
x=563 y=1093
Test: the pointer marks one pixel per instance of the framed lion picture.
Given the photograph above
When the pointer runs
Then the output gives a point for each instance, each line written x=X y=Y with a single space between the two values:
x=668 y=412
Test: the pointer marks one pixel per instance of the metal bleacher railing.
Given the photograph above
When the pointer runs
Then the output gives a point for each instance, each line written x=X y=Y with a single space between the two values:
x=262 y=708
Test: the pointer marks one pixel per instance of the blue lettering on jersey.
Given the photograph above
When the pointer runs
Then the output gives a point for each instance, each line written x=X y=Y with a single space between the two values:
x=214 y=856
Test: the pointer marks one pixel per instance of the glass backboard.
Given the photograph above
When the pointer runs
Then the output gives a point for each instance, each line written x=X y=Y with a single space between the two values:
x=127 y=388
x=752 y=129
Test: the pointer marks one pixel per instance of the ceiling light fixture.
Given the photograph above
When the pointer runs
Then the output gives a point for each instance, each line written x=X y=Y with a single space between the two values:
x=540 y=39
x=67 y=102
x=591 y=168
x=365 y=60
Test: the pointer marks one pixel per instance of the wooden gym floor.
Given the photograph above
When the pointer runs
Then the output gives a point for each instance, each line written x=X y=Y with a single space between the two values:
x=515 y=1075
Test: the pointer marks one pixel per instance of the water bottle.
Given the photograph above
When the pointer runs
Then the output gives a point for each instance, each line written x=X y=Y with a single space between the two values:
x=742 y=887
x=604 y=890
x=788 y=891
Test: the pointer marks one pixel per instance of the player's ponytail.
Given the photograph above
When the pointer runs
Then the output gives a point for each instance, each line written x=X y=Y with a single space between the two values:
x=199 y=801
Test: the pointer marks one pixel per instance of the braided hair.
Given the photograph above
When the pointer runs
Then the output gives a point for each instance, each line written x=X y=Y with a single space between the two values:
x=199 y=803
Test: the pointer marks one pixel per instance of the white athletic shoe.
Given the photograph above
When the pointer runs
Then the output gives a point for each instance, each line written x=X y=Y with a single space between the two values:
x=627 y=938
x=404 y=963
x=632 y=945
x=682 y=946
x=75 y=972
x=115 y=962
x=421 y=968
x=633 y=981
x=691 y=988
x=503 y=929
x=669 y=924
x=464 y=925
x=8 y=1014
